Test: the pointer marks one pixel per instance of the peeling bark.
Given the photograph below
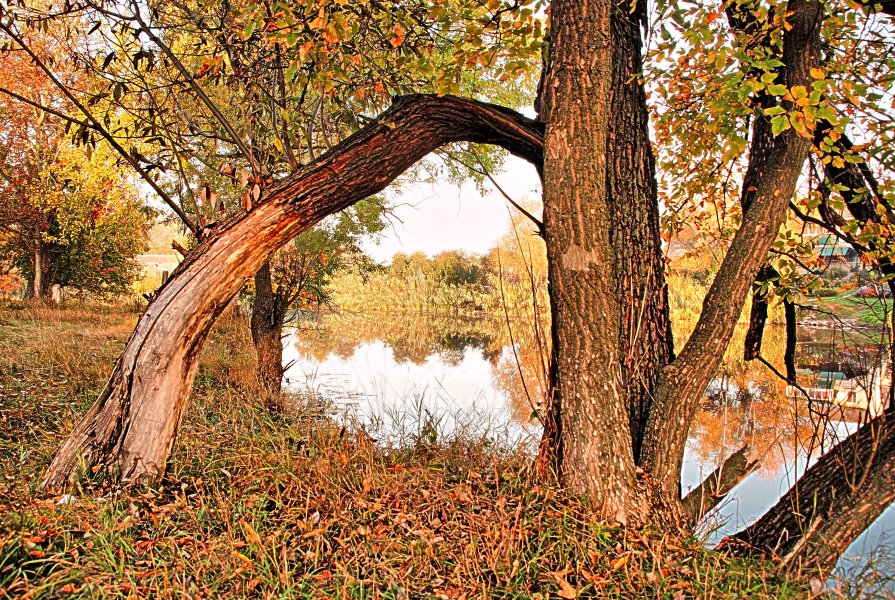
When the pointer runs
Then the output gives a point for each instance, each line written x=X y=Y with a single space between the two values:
x=131 y=428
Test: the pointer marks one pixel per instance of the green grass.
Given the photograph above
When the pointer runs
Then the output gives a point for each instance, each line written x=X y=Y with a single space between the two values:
x=295 y=506
x=848 y=306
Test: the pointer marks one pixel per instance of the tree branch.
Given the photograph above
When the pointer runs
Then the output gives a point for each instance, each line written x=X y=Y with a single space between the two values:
x=714 y=488
x=685 y=379
x=836 y=499
x=197 y=89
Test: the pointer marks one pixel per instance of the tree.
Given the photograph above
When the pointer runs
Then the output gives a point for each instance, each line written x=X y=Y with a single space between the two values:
x=621 y=403
x=66 y=218
x=215 y=100
x=297 y=276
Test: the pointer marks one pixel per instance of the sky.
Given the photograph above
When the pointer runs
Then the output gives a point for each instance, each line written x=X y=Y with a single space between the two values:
x=432 y=218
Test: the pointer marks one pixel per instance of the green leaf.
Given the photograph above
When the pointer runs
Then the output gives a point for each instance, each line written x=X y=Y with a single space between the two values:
x=779 y=124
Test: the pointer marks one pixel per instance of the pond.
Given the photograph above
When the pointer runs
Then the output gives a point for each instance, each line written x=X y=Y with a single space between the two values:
x=407 y=377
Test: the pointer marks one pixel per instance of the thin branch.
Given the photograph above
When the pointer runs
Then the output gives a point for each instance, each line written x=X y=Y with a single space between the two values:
x=224 y=121
x=46 y=109
x=815 y=221
x=508 y=198
x=97 y=126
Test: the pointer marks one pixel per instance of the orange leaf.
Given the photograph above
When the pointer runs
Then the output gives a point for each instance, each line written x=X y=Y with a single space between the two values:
x=398 y=37
x=251 y=534
x=620 y=562
x=565 y=588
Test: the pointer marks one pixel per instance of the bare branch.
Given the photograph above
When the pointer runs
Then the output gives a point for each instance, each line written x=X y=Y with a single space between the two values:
x=714 y=488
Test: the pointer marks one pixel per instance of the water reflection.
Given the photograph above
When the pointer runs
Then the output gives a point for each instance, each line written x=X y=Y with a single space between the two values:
x=400 y=374
x=457 y=372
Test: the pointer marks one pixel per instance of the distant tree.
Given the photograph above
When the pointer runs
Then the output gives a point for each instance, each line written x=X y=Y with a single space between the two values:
x=67 y=217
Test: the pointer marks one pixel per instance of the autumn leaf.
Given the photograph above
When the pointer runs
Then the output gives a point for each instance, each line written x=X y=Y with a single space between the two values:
x=565 y=588
x=251 y=534
x=398 y=37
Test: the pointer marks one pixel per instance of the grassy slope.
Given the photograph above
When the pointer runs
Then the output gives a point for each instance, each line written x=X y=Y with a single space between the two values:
x=851 y=307
x=274 y=506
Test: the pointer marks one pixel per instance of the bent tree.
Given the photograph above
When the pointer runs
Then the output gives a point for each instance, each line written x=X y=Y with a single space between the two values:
x=621 y=402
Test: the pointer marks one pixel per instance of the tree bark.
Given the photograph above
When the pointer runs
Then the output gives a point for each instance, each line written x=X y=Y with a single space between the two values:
x=684 y=380
x=836 y=499
x=609 y=302
x=267 y=335
x=38 y=286
x=645 y=339
x=131 y=428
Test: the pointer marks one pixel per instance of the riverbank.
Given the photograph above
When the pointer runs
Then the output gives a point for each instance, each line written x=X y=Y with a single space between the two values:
x=297 y=505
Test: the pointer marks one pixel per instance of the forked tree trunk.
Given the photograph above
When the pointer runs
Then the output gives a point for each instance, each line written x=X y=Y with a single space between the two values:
x=778 y=169
x=267 y=335
x=131 y=428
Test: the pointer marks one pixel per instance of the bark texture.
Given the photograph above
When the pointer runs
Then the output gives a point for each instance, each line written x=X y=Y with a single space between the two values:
x=611 y=334
x=645 y=340
x=268 y=314
x=595 y=451
x=131 y=428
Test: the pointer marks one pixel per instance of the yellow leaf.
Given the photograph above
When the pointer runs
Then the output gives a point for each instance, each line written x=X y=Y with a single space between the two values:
x=251 y=534
x=620 y=562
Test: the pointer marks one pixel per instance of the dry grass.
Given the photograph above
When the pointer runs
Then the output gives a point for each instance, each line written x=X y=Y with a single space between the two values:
x=261 y=505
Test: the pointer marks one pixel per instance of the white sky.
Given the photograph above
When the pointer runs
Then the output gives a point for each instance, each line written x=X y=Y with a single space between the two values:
x=442 y=216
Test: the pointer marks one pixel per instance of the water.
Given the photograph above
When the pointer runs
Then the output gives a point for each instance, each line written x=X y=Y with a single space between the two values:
x=405 y=376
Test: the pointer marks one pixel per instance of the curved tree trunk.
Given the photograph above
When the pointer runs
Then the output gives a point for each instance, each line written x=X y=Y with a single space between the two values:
x=267 y=335
x=836 y=499
x=131 y=428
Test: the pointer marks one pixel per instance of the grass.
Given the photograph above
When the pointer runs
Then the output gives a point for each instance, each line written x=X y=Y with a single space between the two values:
x=296 y=506
x=848 y=306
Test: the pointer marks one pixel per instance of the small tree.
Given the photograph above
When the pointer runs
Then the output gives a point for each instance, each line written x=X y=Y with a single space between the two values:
x=297 y=276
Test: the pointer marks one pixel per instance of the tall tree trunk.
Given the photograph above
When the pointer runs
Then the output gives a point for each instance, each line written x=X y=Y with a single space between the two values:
x=131 y=428
x=645 y=340
x=782 y=157
x=591 y=395
x=267 y=335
